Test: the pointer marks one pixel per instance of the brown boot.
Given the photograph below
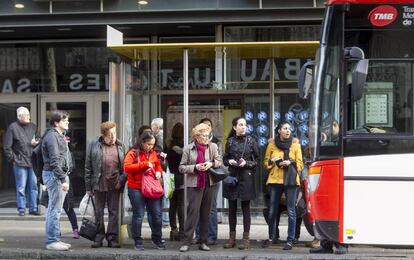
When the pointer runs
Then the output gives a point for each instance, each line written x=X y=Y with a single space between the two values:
x=232 y=240
x=245 y=244
x=174 y=235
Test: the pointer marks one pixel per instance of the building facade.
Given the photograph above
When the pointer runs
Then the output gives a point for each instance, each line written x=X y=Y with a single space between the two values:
x=53 y=55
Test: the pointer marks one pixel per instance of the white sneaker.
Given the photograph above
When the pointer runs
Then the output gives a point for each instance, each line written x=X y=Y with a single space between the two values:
x=56 y=246
x=66 y=244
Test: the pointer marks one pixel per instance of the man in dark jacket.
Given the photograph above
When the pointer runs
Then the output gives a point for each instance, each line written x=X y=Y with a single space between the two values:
x=57 y=165
x=20 y=138
x=103 y=171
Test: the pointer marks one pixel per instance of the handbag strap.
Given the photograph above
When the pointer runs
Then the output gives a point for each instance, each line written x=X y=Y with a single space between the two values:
x=87 y=205
x=244 y=146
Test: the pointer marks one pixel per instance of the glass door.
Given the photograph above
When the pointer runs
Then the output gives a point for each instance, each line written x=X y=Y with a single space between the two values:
x=86 y=114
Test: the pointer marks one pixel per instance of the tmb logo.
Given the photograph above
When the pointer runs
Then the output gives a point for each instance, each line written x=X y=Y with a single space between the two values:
x=383 y=15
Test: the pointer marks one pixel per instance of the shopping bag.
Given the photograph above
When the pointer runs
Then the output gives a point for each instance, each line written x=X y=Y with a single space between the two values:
x=84 y=209
x=43 y=195
x=168 y=182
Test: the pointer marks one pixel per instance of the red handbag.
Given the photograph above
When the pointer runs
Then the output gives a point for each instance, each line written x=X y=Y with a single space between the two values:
x=151 y=186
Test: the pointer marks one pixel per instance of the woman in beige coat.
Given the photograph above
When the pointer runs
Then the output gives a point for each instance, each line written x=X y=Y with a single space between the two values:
x=198 y=157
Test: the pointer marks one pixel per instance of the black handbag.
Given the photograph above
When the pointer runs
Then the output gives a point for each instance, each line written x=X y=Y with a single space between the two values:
x=289 y=177
x=218 y=174
x=89 y=229
x=230 y=181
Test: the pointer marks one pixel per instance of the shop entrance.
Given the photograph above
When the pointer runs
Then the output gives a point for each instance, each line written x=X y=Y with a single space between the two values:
x=87 y=111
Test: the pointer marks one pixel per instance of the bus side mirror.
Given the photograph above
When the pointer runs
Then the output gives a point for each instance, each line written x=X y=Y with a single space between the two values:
x=359 y=78
x=359 y=74
x=305 y=79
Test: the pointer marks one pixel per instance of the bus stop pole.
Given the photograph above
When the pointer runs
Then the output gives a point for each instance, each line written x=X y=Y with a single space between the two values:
x=272 y=97
x=186 y=126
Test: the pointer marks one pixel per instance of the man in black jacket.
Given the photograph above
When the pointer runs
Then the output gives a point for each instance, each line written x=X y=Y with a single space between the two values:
x=104 y=179
x=57 y=165
x=21 y=136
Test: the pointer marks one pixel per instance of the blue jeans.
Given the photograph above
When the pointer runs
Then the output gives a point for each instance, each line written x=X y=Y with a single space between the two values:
x=26 y=183
x=55 y=205
x=138 y=203
x=213 y=225
x=276 y=191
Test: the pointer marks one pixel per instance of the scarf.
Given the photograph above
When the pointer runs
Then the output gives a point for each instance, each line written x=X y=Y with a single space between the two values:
x=201 y=175
x=289 y=173
x=284 y=145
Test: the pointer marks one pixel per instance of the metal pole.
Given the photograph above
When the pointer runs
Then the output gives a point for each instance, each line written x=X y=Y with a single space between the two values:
x=272 y=97
x=185 y=114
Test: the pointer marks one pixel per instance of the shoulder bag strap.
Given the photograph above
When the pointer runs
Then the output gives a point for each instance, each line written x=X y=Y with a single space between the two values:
x=244 y=146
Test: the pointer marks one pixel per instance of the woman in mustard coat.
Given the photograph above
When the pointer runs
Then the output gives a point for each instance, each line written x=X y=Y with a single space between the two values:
x=282 y=153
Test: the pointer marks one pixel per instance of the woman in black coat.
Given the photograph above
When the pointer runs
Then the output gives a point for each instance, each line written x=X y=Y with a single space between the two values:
x=241 y=155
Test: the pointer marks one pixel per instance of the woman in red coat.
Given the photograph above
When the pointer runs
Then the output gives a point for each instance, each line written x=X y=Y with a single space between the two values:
x=140 y=160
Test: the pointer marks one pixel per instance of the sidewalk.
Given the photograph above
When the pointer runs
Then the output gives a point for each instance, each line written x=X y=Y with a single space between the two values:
x=25 y=239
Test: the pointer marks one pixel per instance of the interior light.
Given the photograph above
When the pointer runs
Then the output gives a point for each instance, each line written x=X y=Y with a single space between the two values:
x=19 y=6
x=142 y=2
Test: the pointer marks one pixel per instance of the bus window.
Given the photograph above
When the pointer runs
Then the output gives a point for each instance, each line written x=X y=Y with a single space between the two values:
x=386 y=104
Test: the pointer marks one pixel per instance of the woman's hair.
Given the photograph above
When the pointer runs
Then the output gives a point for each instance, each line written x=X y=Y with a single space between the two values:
x=57 y=116
x=142 y=129
x=106 y=126
x=234 y=123
x=199 y=129
x=206 y=119
x=177 y=135
x=279 y=126
x=145 y=137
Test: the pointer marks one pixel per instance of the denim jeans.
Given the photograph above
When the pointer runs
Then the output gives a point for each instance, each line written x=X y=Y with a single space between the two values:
x=138 y=203
x=55 y=205
x=276 y=191
x=26 y=183
x=213 y=225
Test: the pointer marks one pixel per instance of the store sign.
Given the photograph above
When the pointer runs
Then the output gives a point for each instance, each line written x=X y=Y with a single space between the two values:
x=248 y=71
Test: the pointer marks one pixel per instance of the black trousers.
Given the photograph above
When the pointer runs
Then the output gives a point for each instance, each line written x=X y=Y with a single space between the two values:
x=111 y=198
x=177 y=208
x=198 y=206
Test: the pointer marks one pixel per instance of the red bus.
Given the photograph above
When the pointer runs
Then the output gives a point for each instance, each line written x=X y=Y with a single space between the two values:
x=361 y=177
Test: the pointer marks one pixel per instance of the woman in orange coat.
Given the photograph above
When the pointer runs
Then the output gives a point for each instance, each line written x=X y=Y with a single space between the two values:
x=140 y=160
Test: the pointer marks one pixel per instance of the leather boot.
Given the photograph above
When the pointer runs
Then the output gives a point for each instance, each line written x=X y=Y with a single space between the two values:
x=245 y=244
x=232 y=240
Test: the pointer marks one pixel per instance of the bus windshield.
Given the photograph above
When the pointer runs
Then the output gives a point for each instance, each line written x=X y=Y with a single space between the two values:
x=324 y=127
x=386 y=103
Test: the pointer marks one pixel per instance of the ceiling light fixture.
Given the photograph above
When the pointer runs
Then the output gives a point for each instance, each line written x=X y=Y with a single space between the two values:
x=64 y=29
x=19 y=5
x=142 y=2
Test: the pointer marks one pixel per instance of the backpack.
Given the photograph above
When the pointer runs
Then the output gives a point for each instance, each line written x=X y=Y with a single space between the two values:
x=37 y=159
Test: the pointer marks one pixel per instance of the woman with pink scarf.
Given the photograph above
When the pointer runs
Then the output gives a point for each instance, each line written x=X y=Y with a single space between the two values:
x=198 y=157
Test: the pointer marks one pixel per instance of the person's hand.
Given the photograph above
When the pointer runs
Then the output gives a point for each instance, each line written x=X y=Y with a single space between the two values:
x=208 y=165
x=233 y=162
x=274 y=159
x=150 y=165
x=242 y=162
x=376 y=130
x=65 y=187
x=158 y=175
x=34 y=142
x=90 y=193
x=200 y=167
x=285 y=163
